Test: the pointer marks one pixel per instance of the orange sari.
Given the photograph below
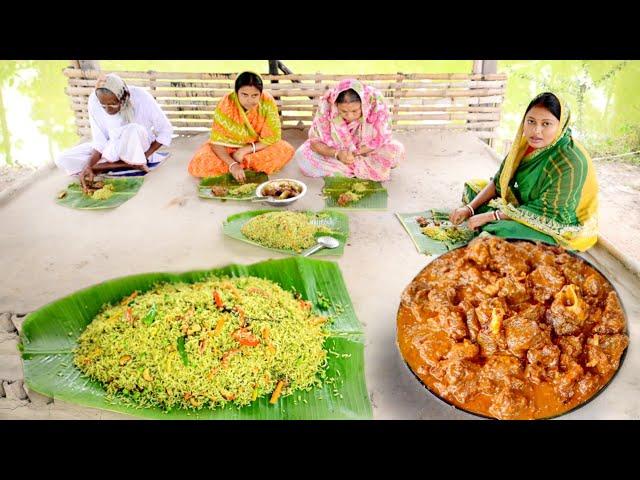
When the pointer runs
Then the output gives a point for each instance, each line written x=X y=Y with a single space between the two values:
x=233 y=128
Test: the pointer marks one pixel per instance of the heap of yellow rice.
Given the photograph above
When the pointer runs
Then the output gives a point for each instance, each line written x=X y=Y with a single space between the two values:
x=359 y=187
x=206 y=344
x=243 y=190
x=103 y=193
x=282 y=230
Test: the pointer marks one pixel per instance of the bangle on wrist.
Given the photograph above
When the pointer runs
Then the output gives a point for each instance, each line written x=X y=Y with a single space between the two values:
x=233 y=163
x=496 y=215
x=253 y=146
x=335 y=155
x=470 y=209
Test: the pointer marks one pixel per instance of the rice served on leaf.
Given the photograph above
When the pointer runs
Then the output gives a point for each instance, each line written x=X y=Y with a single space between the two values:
x=206 y=344
x=103 y=193
x=347 y=198
x=444 y=230
x=239 y=191
x=283 y=230
x=97 y=190
x=355 y=193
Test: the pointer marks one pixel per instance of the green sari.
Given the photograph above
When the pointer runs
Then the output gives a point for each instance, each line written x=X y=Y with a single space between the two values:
x=550 y=194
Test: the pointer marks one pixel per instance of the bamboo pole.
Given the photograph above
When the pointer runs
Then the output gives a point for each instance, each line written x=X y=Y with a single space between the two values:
x=396 y=99
x=209 y=107
x=448 y=116
x=86 y=131
x=316 y=86
x=172 y=92
x=408 y=105
x=71 y=72
x=291 y=114
x=206 y=122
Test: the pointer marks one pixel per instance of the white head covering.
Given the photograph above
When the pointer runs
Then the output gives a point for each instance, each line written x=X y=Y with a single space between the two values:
x=118 y=87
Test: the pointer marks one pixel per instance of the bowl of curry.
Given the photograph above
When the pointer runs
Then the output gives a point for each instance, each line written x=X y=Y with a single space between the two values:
x=512 y=329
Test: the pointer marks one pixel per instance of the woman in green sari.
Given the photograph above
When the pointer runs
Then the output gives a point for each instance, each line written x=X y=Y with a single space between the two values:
x=545 y=189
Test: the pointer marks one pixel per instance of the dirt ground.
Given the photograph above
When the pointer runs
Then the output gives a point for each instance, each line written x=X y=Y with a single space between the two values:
x=620 y=206
x=49 y=251
x=619 y=202
x=10 y=175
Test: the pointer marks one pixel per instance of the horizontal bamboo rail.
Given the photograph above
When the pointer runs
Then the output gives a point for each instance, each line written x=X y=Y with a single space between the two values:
x=443 y=101
x=93 y=74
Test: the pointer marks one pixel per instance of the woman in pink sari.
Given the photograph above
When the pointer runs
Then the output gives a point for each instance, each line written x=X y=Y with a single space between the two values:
x=350 y=135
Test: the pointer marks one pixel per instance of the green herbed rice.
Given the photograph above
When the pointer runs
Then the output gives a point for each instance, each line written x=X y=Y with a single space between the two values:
x=205 y=345
x=243 y=190
x=283 y=230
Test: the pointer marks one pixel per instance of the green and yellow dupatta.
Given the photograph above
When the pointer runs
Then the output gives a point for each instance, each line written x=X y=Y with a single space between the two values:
x=234 y=127
x=552 y=189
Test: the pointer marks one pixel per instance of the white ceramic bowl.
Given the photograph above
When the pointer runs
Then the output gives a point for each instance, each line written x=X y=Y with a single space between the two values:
x=285 y=201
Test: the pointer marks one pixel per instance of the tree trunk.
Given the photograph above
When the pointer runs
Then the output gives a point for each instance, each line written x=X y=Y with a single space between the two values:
x=4 y=128
x=50 y=144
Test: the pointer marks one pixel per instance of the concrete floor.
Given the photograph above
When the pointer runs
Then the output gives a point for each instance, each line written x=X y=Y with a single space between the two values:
x=49 y=251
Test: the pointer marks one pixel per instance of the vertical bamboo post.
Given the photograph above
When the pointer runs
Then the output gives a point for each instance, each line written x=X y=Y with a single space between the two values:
x=314 y=110
x=396 y=100
x=153 y=77
x=85 y=66
x=273 y=67
x=273 y=70
x=488 y=67
x=485 y=67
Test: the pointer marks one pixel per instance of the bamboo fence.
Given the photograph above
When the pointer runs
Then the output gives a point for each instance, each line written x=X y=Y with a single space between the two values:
x=438 y=101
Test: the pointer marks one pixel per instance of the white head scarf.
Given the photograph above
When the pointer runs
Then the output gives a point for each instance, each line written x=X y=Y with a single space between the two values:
x=118 y=87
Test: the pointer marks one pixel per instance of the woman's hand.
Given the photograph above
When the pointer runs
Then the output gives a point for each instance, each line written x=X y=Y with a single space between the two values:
x=346 y=157
x=479 y=220
x=239 y=154
x=459 y=215
x=237 y=172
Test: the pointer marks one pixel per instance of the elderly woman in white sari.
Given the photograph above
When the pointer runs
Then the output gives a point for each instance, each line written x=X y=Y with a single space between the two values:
x=127 y=128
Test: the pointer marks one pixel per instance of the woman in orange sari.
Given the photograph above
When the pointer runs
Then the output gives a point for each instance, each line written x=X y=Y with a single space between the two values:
x=246 y=134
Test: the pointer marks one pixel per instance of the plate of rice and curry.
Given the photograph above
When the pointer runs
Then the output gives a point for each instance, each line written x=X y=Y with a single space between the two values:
x=512 y=329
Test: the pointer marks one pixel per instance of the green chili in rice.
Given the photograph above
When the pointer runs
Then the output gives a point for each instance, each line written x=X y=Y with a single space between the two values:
x=205 y=345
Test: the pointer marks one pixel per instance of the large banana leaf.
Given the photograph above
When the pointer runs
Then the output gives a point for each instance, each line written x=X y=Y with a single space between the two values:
x=423 y=243
x=373 y=198
x=227 y=180
x=49 y=336
x=336 y=221
x=124 y=189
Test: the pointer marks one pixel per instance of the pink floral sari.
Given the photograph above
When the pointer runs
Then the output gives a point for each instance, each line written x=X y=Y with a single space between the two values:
x=372 y=130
